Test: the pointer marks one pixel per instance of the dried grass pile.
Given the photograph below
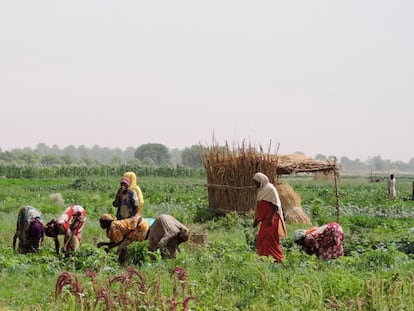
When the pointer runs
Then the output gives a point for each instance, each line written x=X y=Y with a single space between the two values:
x=56 y=199
x=291 y=205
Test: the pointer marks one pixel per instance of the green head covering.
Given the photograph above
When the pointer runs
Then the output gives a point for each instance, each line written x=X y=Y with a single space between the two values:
x=299 y=234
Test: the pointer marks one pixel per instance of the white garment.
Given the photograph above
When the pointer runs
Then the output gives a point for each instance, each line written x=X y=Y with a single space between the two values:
x=392 y=192
x=267 y=191
x=71 y=212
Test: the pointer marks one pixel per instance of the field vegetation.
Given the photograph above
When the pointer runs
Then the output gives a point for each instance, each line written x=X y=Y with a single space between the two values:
x=376 y=273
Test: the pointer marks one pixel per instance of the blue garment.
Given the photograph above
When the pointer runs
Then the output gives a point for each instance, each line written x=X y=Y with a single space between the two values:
x=150 y=221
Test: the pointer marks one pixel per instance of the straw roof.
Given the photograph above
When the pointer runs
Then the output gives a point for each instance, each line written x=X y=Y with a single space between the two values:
x=298 y=163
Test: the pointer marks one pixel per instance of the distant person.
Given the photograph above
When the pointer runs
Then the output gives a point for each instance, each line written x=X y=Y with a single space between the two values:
x=70 y=225
x=133 y=186
x=122 y=233
x=392 y=192
x=269 y=215
x=126 y=200
x=326 y=242
x=29 y=230
x=166 y=234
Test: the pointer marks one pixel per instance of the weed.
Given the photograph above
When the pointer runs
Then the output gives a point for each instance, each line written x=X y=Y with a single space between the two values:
x=127 y=290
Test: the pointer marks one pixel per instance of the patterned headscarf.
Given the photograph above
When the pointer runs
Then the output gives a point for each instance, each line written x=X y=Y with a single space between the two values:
x=125 y=180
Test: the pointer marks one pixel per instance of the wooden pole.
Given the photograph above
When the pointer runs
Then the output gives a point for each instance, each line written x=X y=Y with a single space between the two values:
x=336 y=191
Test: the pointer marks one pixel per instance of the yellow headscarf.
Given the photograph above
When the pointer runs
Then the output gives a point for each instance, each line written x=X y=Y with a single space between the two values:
x=133 y=185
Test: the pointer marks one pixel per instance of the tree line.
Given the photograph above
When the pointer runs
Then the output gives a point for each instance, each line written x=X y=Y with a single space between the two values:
x=157 y=155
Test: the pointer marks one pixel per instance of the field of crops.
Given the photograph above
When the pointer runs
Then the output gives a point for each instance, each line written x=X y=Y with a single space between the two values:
x=376 y=273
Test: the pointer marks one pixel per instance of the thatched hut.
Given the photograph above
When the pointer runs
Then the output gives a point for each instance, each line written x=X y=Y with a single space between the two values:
x=229 y=178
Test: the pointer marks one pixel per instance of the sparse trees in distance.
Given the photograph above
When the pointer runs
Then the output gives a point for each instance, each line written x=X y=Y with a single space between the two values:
x=155 y=154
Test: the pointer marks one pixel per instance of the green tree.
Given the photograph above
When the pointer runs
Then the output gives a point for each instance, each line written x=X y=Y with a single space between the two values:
x=68 y=159
x=51 y=160
x=191 y=157
x=42 y=149
x=377 y=163
x=8 y=156
x=29 y=157
x=156 y=152
x=411 y=164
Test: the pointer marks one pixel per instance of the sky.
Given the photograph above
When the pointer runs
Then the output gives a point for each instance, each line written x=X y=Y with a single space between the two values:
x=319 y=77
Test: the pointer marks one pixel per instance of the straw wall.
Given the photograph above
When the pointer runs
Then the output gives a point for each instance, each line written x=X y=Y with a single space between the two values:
x=230 y=177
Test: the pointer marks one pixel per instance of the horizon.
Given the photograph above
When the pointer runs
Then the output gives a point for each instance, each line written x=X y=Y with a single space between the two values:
x=181 y=149
x=320 y=77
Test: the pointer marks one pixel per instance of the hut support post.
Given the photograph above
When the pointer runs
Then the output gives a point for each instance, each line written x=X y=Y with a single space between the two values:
x=336 y=193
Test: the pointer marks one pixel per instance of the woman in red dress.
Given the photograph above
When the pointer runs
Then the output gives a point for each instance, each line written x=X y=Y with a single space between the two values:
x=269 y=215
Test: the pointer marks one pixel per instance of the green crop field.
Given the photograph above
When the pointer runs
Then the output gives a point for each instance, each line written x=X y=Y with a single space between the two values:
x=376 y=273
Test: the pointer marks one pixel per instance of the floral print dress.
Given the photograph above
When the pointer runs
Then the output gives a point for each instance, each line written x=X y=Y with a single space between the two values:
x=325 y=242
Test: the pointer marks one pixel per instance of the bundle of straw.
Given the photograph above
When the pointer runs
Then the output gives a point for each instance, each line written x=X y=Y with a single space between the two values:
x=56 y=199
x=291 y=205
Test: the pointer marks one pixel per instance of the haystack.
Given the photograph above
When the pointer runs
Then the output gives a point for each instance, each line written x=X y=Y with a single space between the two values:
x=291 y=205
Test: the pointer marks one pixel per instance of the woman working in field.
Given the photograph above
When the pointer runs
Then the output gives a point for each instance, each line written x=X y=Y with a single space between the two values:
x=133 y=186
x=29 y=230
x=70 y=225
x=326 y=242
x=269 y=215
x=166 y=234
x=126 y=200
x=121 y=233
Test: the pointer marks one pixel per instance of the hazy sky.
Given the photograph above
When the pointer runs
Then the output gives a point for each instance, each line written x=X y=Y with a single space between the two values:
x=329 y=77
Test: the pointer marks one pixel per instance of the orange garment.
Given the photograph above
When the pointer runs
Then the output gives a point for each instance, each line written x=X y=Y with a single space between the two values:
x=128 y=230
x=267 y=242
